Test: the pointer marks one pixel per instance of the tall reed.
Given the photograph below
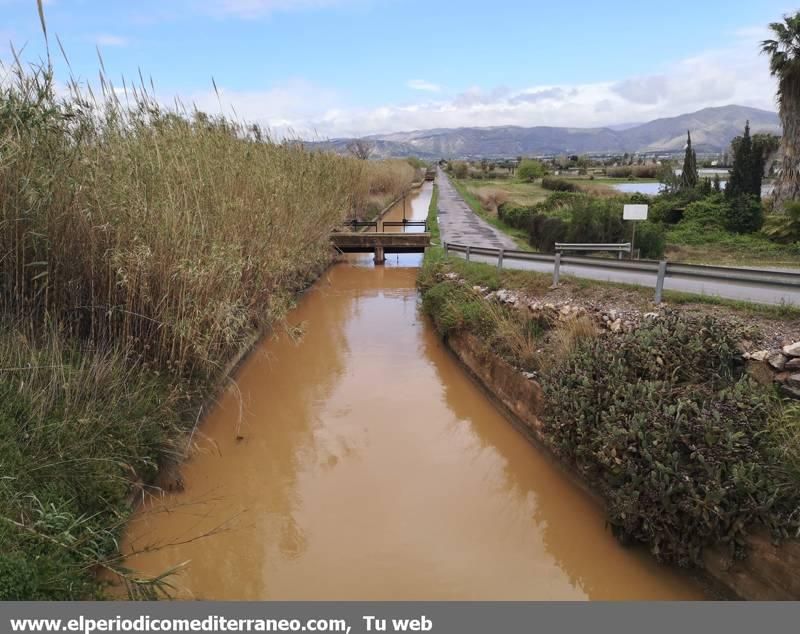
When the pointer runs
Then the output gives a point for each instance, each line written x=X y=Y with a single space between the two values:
x=140 y=248
x=171 y=232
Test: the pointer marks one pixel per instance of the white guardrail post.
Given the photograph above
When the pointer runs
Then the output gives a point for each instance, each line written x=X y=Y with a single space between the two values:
x=500 y=259
x=446 y=252
x=556 y=269
x=662 y=273
x=467 y=253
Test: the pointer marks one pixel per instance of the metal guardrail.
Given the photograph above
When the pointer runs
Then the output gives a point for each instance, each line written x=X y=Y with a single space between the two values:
x=360 y=224
x=661 y=269
x=619 y=249
x=587 y=246
x=405 y=223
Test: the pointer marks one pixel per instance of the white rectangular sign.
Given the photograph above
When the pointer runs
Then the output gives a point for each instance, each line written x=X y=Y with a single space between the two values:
x=634 y=212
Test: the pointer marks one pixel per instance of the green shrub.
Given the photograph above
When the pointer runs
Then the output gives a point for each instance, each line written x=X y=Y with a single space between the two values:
x=516 y=216
x=669 y=206
x=784 y=228
x=666 y=209
x=545 y=231
x=633 y=171
x=596 y=220
x=665 y=424
x=459 y=169
x=559 y=201
x=559 y=185
x=18 y=578
x=529 y=170
x=639 y=198
x=651 y=240
x=744 y=214
x=454 y=307
x=707 y=213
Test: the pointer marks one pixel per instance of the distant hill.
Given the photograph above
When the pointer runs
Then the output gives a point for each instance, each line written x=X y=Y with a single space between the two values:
x=712 y=130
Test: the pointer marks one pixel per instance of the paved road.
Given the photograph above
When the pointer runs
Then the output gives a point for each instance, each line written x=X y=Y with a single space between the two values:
x=458 y=223
x=718 y=288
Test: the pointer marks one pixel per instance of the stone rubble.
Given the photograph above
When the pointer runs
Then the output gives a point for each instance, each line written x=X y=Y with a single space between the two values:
x=779 y=365
x=792 y=350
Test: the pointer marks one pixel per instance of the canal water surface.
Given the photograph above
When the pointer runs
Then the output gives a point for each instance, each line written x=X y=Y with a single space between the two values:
x=361 y=462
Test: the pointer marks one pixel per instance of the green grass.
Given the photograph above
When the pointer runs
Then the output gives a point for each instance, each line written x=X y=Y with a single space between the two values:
x=706 y=245
x=433 y=216
x=78 y=429
x=518 y=192
x=534 y=283
x=774 y=311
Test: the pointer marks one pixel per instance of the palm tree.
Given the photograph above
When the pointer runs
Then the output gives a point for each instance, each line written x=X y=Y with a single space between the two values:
x=784 y=62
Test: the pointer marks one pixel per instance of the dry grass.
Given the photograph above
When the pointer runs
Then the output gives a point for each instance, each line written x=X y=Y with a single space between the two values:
x=566 y=336
x=140 y=249
x=491 y=198
x=786 y=429
x=597 y=189
x=516 y=335
x=518 y=193
x=379 y=183
x=171 y=233
x=634 y=171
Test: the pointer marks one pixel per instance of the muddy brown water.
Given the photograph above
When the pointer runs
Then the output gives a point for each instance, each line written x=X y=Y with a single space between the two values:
x=370 y=466
x=413 y=206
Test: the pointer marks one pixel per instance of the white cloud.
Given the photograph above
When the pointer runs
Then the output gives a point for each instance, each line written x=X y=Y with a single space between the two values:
x=421 y=84
x=735 y=75
x=107 y=39
x=287 y=108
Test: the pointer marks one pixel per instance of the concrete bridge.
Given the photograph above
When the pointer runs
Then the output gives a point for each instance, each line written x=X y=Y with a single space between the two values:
x=380 y=243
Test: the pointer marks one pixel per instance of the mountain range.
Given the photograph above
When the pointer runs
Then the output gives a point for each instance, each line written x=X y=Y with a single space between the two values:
x=712 y=131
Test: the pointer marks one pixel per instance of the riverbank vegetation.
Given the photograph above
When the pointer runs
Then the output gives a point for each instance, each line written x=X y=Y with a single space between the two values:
x=686 y=449
x=380 y=184
x=141 y=250
x=692 y=219
x=678 y=439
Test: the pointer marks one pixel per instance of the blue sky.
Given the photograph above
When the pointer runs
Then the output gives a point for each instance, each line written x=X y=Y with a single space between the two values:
x=341 y=67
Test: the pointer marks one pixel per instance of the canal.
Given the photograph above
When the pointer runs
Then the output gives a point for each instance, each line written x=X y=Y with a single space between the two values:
x=361 y=462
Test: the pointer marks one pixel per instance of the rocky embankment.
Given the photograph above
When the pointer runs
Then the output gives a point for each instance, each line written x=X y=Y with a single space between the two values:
x=772 y=353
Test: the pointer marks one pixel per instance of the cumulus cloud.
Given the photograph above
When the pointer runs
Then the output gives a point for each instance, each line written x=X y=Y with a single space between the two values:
x=737 y=74
x=421 y=84
x=288 y=108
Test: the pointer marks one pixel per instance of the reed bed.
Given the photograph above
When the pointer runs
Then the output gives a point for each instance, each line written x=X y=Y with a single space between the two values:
x=141 y=247
x=379 y=184
x=173 y=233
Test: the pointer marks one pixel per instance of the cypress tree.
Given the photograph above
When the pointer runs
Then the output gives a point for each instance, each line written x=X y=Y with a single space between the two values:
x=689 y=177
x=743 y=192
x=744 y=180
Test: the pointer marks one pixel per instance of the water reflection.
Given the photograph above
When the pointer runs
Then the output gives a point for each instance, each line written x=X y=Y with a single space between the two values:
x=371 y=467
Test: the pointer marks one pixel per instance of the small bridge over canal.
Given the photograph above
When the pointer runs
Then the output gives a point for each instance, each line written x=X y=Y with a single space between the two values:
x=380 y=243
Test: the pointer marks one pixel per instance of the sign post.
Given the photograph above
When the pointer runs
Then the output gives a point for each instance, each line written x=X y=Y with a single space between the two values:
x=634 y=213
